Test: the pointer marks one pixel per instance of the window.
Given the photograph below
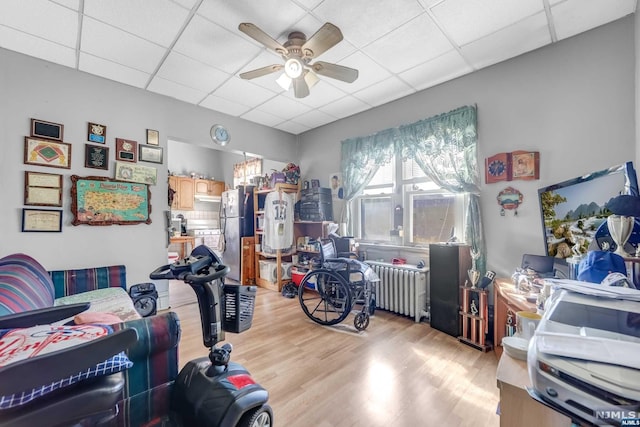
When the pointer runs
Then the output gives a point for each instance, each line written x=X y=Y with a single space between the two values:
x=402 y=206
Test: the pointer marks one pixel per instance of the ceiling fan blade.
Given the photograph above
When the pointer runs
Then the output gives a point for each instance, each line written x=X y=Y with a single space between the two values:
x=335 y=71
x=261 y=37
x=300 y=88
x=324 y=39
x=259 y=72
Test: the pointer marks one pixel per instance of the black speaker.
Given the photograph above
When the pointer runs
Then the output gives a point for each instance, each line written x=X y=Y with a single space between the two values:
x=448 y=265
x=145 y=298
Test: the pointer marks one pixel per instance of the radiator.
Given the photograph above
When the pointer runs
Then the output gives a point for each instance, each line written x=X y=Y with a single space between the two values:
x=401 y=289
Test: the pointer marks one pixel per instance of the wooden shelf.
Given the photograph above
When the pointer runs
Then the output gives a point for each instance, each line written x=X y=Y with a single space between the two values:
x=474 y=326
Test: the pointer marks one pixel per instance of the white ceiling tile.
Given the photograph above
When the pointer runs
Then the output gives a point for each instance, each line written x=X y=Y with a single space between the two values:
x=314 y=118
x=512 y=41
x=224 y=105
x=41 y=18
x=446 y=67
x=244 y=92
x=274 y=17
x=115 y=45
x=71 y=4
x=262 y=117
x=216 y=46
x=158 y=21
x=175 y=90
x=292 y=127
x=468 y=20
x=575 y=16
x=363 y=21
x=369 y=72
x=309 y=4
x=186 y=71
x=393 y=50
x=112 y=71
x=188 y=4
x=345 y=107
x=283 y=107
x=321 y=94
x=385 y=91
x=34 y=46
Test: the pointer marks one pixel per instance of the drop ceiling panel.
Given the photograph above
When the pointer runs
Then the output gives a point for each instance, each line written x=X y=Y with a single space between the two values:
x=34 y=46
x=468 y=20
x=112 y=71
x=292 y=127
x=438 y=70
x=123 y=48
x=188 y=72
x=41 y=18
x=71 y=4
x=321 y=94
x=385 y=91
x=369 y=72
x=176 y=90
x=345 y=107
x=314 y=118
x=363 y=21
x=244 y=92
x=417 y=41
x=158 y=21
x=575 y=16
x=283 y=107
x=214 y=45
x=262 y=117
x=224 y=105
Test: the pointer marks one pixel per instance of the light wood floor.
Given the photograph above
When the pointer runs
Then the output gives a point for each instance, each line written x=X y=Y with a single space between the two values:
x=396 y=373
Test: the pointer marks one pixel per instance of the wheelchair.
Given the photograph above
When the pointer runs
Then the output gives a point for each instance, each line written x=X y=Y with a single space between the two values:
x=329 y=293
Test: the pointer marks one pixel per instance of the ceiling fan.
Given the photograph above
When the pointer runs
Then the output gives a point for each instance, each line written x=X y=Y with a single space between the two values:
x=298 y=52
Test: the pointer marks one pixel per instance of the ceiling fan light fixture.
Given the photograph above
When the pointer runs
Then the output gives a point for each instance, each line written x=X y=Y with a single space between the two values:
x=284 y=81
x=293 y=68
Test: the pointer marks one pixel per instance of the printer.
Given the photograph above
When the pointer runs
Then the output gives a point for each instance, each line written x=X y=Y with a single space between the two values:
x=584 y=358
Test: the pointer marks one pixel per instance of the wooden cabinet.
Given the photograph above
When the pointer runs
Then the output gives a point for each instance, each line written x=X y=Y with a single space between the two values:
x=313 y=230
x=259 y=197
x=208 y=187
x=507 y=302
x=184 y=192
x=474 y=317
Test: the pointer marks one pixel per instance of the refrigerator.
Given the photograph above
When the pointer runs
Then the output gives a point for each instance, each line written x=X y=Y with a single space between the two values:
x=236 y=217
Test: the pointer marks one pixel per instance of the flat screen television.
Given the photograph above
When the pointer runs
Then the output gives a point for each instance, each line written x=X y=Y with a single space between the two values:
x=574 y=216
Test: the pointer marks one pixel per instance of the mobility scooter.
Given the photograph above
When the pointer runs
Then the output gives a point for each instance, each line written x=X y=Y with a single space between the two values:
x=214 y=391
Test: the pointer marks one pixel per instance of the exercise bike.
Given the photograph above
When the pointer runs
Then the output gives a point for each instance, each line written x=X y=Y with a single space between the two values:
x=213 y=391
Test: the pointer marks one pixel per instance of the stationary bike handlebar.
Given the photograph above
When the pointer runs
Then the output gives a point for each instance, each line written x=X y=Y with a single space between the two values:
x=213 y=272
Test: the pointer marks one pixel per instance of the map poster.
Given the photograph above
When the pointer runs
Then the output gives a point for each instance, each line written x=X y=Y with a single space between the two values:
x=104 y=201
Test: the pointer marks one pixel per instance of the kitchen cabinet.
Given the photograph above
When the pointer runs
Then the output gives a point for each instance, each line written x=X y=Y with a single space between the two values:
x=184 y=192
x=258 y=203
x=208 y=187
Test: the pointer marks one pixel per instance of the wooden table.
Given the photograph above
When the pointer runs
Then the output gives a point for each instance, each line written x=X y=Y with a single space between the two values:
x=506 y=299
x=183 y=241
x=517 y=408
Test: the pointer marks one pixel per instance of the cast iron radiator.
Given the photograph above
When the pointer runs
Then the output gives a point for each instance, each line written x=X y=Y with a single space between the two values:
x=402 y=289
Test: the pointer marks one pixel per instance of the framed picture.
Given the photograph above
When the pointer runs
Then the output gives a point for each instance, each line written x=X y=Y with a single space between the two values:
x=48 y=130
x=315 y=183
x=150 y=154
x=136 y=173
x=126 y=150
x=525 y=165
x=335 y=182
x=498 y=168
x=97 y=133
x=153 y=137
x=102 y=201
x=96 y=157
x=42 y=189
x=42 y=152
x=41 y=220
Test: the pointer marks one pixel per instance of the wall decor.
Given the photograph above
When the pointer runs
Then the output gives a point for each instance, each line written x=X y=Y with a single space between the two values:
x=509 y=199
x=126 y=150
x=97 y=133
x=48 y=130
x=42 y=189
x=44 y=152
x=150 y=154
x=136 y=173
x=153 y=137
x=102 y=201
x=526 y=165
x=41 y=220
x=498 y=168
x=96 y=156
x=315 y=183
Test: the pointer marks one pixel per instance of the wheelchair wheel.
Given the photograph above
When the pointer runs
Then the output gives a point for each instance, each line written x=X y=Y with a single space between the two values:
x=361 y=321
x=324 y=297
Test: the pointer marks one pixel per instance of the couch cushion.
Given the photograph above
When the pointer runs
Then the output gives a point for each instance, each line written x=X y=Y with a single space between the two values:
x=24 y=285
x=20 y=344
x=71 y=282
x=111 y=300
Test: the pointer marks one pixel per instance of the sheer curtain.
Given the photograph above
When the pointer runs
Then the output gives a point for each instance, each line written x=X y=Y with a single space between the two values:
x=445 y=148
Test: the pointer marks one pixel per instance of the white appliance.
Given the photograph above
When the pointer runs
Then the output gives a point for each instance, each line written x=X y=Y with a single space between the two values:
x=584 y=357
x=236 y=218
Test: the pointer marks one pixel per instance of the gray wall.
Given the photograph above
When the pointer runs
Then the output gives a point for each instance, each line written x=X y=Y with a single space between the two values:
x=574 y=102
x=31 y=88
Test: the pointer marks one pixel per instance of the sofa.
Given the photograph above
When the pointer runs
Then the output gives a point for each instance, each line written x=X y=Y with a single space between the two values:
x=26 y=285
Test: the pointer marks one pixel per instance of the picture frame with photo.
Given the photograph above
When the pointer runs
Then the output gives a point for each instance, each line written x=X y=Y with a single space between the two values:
x=150 y=154
x=45 y=152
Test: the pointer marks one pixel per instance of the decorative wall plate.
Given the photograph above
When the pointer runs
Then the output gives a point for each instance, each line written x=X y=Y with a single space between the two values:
x=509 y=199
x=498 y=168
